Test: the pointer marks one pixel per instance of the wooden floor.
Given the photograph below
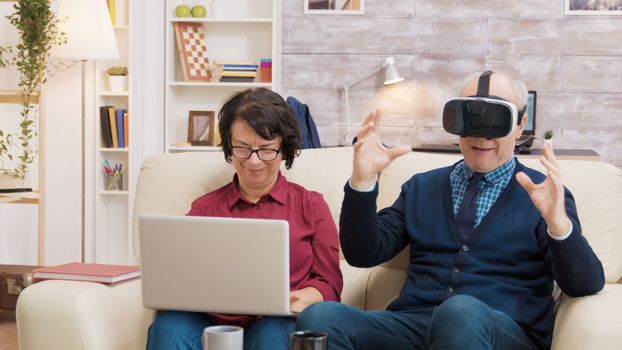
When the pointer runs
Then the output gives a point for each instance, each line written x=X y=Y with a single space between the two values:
x=8 y=330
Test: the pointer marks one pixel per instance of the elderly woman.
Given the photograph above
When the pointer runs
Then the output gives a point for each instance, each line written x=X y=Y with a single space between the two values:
x=258 y=132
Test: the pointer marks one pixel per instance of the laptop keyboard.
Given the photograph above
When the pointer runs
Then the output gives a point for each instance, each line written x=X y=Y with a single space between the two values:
x=437 y=147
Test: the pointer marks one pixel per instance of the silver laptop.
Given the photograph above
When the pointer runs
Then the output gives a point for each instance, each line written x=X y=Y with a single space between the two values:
x=220 y=265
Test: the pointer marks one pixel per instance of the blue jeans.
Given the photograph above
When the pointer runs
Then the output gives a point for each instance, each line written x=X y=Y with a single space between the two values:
x=461 y=322
x=183 y=330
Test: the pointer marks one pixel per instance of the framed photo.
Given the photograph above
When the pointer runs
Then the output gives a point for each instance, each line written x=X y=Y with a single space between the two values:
x=201 y=128
x=334 y=7
x=593 y=7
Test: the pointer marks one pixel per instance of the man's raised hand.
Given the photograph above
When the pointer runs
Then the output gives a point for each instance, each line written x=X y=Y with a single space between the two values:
x=370 y=155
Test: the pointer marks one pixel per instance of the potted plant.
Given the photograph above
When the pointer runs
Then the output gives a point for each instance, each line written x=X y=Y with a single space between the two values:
x=117 y=78
x=547 y=137
x=38 y=31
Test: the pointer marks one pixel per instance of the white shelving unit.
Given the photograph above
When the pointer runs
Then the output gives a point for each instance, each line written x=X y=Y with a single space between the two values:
x=113 y=208
x=9 y=111
x=237 y=30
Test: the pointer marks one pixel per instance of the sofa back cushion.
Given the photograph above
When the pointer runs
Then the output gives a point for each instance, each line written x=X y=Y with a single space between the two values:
x=596 y=187
x=168 y=183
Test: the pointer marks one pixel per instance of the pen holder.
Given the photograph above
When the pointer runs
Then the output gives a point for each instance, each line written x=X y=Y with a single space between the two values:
x=114 y=182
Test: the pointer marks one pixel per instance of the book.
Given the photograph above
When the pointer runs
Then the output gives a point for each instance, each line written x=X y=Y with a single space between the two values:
x=237 y=74
x=105 y=126
x=120 y=132
x=101 y=273
x=113 y=127
x=240 y=66
x=112 y=10
x=126 y=131
x=237 y=79
x=235 y=71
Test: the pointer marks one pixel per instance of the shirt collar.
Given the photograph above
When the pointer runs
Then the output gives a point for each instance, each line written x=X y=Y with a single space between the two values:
x=278 y=192
x=502 y=172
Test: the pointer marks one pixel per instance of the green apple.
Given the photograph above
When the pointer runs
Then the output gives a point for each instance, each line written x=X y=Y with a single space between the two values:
x=198 y=11
x=182 y=11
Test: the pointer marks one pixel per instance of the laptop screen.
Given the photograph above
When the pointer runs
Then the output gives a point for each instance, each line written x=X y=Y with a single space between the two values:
x=530 y=128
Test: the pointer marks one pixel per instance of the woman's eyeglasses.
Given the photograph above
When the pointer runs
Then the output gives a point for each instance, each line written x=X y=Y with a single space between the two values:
x=262 y=153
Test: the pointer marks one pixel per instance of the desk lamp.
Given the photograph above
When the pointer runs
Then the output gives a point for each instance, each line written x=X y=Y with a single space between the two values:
x=391 y=76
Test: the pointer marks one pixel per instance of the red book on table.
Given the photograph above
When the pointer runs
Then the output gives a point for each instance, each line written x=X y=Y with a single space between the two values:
x=101 y=273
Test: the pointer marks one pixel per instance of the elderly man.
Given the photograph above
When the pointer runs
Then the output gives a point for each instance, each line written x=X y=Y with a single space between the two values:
x=488 y=236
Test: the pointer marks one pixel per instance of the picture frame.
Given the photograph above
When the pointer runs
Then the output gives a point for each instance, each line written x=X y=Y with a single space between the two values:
x=201 y=128
x=334 y=7
x=593 y=7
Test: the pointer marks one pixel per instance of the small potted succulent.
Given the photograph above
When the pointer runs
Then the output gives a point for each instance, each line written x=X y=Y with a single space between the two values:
x=117 y=78
x=547 y=137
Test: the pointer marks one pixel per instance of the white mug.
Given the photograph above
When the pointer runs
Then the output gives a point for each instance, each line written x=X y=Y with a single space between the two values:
x=223 y=338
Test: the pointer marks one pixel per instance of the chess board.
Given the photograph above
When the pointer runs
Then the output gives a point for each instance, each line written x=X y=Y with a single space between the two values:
x=190 y=38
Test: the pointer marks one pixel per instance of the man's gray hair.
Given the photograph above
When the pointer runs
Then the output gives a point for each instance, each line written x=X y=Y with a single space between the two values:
x=520 y=89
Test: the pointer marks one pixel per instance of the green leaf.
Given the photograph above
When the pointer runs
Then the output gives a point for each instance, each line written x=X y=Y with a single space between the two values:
x=38 y=31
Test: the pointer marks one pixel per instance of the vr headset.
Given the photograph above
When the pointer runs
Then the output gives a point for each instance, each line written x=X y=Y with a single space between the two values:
x=481 y=115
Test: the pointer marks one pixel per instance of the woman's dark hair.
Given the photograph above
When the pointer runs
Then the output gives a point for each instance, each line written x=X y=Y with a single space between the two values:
x=268 y=114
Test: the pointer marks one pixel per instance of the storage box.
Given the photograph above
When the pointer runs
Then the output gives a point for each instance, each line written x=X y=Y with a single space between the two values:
x=265 y=67
x=13 y=279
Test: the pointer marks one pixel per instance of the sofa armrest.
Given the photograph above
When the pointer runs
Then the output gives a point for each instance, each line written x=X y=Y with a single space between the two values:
x=592 y=322
x=82 y=315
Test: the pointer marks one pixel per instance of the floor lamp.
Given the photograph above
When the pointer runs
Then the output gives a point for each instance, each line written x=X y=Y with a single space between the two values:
x=391 y=76
x=90 y=36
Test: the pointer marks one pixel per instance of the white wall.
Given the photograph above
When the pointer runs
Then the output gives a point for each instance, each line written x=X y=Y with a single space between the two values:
x=574 y=62
x=63 y=166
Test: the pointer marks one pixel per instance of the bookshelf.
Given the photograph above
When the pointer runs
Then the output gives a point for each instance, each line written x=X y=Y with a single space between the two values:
x=112 y=208
x=236 y=30
x=36 y=175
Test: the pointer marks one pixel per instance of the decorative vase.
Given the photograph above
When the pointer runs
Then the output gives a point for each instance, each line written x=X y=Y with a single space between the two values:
x=117 y=82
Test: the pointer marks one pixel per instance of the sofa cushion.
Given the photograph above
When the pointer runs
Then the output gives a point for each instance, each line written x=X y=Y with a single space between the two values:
x=596 y=186
x=592 y=322
x=168 y=183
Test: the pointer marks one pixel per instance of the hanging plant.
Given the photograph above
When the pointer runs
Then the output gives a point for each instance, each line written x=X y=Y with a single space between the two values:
x=38 y=31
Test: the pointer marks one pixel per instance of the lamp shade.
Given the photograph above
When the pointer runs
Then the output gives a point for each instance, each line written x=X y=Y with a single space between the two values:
x=89 y=31
x=391 y=75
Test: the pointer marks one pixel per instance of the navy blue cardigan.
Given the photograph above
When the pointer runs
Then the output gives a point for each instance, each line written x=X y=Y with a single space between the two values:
x=509 y=262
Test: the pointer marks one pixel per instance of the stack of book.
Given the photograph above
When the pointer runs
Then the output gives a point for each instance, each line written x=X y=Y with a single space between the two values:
x=114 y=127
x=238 y=73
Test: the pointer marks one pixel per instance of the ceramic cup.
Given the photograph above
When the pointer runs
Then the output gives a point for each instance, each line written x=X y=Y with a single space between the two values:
x=308 y=340
x=223 y=338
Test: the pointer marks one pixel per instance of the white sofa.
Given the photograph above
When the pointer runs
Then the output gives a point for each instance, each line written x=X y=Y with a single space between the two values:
x=80 y=315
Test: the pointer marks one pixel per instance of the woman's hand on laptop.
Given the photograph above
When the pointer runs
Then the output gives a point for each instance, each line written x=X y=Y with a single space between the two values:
x=300 y=299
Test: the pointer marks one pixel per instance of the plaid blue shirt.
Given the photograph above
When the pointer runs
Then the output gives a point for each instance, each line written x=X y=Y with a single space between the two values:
x=489 y=189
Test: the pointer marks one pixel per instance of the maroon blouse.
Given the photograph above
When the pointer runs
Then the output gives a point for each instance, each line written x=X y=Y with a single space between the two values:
x=313 y=246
